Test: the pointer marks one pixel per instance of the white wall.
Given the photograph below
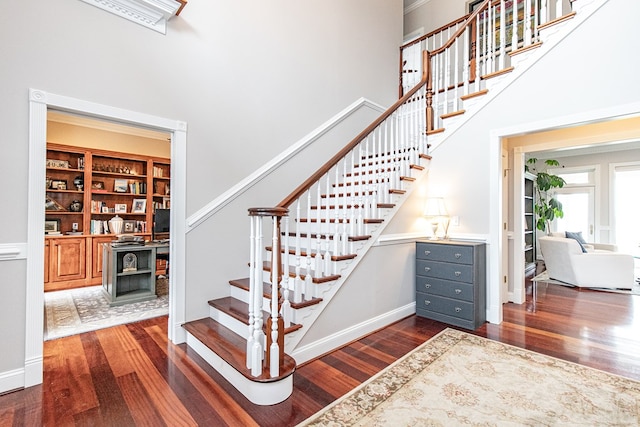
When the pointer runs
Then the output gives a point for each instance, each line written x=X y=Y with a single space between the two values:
x=433 y=14
x=248 y=78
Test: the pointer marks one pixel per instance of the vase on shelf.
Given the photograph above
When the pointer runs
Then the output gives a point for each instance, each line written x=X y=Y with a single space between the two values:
x=115 y=224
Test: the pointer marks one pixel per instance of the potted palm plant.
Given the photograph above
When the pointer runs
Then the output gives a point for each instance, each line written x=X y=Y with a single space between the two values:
x=547 y=207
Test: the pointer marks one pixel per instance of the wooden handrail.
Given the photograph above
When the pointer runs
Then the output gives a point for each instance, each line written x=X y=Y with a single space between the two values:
x=351 y=145
x=436 y=31
x=461 y=30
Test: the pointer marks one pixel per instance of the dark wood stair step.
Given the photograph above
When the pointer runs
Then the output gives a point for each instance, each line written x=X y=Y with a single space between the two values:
x=380 y=205
x=315 y=236
x=357 y=193
x=239 y=310
x=340 y=220
x=292 y=273
x=313 y=254
x=244 y=284
x=231 y=348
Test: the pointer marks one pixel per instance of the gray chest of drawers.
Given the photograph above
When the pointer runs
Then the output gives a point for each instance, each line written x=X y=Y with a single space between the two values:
x=450 y=282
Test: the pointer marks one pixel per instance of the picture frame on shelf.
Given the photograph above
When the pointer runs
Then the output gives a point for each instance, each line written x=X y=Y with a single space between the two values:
x=105 y=209
x=120 y=185
x=129 y=226
x=121 y=208
x=166 y=202
x=52 y=226
x=55 y=163
x=52 y=205
x=139 y=206
x=58 y=184
x=97 y=185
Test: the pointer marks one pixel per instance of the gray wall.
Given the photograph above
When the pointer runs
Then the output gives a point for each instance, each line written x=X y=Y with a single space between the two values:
x=249 y=79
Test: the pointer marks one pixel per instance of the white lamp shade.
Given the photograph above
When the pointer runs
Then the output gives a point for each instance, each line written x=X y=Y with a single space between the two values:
x=434 y=207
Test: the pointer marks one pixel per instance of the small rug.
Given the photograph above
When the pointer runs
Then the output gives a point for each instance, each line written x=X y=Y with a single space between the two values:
x=75 y=311
x=544 y=277
x=457 y=378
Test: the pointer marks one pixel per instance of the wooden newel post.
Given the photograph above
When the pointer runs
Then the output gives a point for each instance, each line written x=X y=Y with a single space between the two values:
x=426 y=66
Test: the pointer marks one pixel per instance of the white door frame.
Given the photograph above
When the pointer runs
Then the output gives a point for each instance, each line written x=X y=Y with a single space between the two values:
x=39 y=102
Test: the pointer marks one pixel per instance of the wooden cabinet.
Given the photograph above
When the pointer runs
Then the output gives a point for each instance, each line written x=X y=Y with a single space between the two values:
x=85 y=188
x=67 y=261
x=96 y=255
x=451 y=282
x=529 y=223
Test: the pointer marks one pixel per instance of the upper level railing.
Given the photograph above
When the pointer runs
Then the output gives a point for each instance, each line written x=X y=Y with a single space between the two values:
x=478 y=46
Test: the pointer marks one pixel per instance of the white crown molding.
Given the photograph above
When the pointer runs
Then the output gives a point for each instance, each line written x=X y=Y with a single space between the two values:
x=152 y=14
x=415 y=5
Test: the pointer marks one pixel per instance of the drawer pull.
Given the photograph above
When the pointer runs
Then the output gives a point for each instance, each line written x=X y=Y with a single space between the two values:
x=427 y=252
x=457 y=273
x=458 y=309
x=427 y=268
x=458 y=291
x=427 y=285
x=427 y=302
x=458 y=256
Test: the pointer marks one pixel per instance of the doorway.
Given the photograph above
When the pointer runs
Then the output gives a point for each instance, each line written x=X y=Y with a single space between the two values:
x=87 y=156
x=39 y=104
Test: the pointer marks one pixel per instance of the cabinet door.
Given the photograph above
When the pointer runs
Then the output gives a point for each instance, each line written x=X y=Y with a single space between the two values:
x=96 y=259
x=68 y=259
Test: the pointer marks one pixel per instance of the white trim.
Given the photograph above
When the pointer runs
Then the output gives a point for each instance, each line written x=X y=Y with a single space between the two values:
x=39 y=103
x=11 y=380
x=228 y=196
x=415 y=5
x=12 y=251
x=394 y=239
x=315 y=349
x=152 y=14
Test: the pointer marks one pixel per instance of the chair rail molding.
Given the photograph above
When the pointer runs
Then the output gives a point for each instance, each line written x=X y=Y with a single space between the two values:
x=152 y=14
x=12 y=251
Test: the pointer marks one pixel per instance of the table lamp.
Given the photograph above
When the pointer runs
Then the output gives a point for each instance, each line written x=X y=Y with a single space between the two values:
x=436 y=213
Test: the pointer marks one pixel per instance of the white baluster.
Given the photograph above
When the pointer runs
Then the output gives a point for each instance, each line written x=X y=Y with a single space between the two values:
x=287 y=312
x=318 y=249
x=514 y=29
x=274 y=353
x=308 y=282
x=327 y=256
x=297 y=283
x=503 y=34
x=527 y=22
x=257 y=352
x=477 y=65
x=558 y=9
x=252 y=289
x=544 y=12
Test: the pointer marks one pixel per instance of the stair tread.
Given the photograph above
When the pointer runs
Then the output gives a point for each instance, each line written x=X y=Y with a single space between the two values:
x=315 y=236
x=244 y=284
x=239 y=310
x=303 y=253
x=232 y=348
x=380 y=205
x=292 y=273
x=340 y=220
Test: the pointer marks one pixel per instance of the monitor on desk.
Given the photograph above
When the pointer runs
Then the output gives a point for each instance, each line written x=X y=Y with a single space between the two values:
x=161 y=223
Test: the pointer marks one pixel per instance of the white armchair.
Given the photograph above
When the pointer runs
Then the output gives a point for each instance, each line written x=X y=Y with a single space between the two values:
x=566 y=262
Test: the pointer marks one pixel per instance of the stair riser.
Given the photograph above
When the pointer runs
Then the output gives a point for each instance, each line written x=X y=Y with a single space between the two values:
x=258 y=393
x=239 y=328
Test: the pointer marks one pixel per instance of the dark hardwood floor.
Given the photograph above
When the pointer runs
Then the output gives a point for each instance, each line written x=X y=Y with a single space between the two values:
x=130 y=375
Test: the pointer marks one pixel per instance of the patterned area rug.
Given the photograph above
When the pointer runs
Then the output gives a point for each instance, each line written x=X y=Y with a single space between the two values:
x=80 y=310
x=457 y=378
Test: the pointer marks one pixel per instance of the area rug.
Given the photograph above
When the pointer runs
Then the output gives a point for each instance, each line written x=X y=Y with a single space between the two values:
x=544 y=277
x=457 y=378
x=81 y=310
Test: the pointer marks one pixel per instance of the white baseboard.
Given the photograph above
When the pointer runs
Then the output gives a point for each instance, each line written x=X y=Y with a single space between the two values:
x=327 y=344
x=11 y=380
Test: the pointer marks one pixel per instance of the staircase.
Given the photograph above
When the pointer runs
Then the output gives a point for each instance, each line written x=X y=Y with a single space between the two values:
x=304 y=249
